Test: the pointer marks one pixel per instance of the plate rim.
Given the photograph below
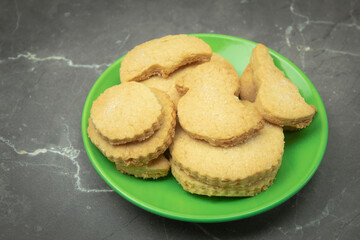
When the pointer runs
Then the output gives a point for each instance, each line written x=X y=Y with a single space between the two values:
x=218 y=218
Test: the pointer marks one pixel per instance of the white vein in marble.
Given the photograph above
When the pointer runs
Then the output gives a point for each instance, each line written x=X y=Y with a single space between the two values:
x=302 y=25
x=328 y=214
x=18 y=16
x=206 y=232
x=68 y=152
x=33 y=57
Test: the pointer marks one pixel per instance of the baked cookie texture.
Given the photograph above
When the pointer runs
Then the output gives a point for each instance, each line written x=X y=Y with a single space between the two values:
x=158 y=167
x=168 y=85
x=140 y=153
x=248 y=89
x=210 y=111
x=242 y=165
x=196 y=186
x=163 y=56
x=126 y=113
x=217 y=73
x=277 y=99
x=222 y=145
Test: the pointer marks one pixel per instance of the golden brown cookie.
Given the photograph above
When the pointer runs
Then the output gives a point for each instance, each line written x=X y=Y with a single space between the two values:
x=210 y=110
x=162 y=56
x=218 y=57
x=247 y=86
x=140 y=153
x=217 y=73
x=158 y=167
x=166 y=85
x=126 y=113
x=258 y=158
x=195 y=186
x=220 y=119
x=278 y=100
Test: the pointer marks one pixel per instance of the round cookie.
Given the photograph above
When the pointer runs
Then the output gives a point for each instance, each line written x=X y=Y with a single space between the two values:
x=243 y=164
x=158 y=167
x=196 y=186
x=126 y=113
x=140 y=153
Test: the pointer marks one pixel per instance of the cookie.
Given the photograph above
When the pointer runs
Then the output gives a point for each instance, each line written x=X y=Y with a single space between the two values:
x=195 y=186
x=168 y=85
x=217 y=73
x=158 y=167
x=248 y=89
x=163 y=56
x=140 y=153
x=218 y=57
x=210 y=110
x=257 y=159
x=278 y=99
x=126 y=113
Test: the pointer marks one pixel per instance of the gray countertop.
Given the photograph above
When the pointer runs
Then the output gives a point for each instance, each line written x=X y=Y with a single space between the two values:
x=51 y=54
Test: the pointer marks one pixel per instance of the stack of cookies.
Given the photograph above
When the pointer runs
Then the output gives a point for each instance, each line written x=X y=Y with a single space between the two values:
x=224 y=145
x=242 y=170
x=133 y=125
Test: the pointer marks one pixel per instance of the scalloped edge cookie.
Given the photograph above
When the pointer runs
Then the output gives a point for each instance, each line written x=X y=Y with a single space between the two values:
x=243 y=164
x=140 y=153
x=126 y=113
x=158 y=167
x=195 y=186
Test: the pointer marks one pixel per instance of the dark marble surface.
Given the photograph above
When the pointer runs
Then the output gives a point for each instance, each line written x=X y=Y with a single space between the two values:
x=52 y=52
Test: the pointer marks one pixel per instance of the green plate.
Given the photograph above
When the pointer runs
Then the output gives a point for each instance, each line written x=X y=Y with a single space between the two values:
x=303 y=152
